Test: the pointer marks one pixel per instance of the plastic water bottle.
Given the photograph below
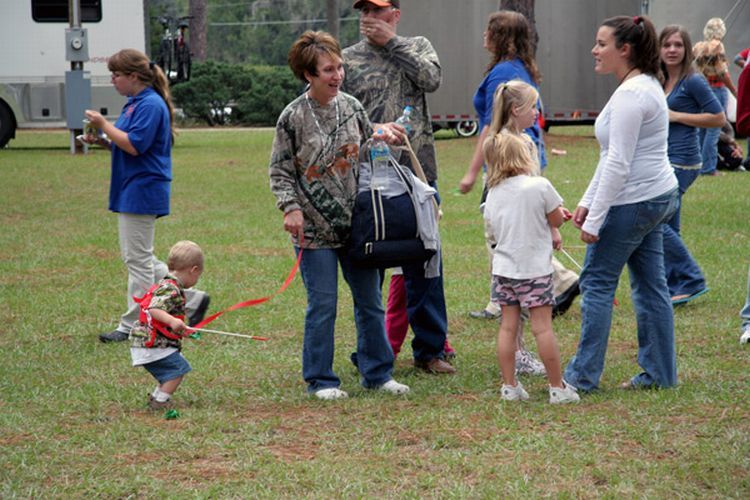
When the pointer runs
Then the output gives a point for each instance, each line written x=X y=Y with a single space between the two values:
x=405 y=120
x=380 y=156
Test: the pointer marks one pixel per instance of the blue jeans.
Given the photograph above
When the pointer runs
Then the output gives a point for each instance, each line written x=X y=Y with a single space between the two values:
x=684 y=275
x=425 y=308
x=319 y=269
x=745 y=313
x=709 y=137
x=632 y=235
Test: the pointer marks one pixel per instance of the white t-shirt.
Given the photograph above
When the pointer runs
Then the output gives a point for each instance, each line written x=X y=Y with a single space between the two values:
x=145 y=355
x=516 y=214
x=632 y=131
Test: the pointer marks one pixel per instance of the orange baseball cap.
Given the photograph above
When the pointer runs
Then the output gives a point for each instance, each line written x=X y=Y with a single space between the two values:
x=379 y=3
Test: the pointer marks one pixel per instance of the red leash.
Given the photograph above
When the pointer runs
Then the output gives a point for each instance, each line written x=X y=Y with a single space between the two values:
x=254 y=302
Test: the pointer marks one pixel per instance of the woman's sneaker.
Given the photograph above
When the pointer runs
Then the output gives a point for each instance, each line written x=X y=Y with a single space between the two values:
x=526 y=363
x=330 y=394
x=394 y=387
x=745 y=338
x=568 y=394
x=514 y=393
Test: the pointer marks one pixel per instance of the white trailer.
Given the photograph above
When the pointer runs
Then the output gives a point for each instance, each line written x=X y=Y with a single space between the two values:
x=33 y=58
x=571 y=92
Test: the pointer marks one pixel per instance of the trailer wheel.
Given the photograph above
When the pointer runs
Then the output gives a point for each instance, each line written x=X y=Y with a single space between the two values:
x=7 y=124
x=467 y=128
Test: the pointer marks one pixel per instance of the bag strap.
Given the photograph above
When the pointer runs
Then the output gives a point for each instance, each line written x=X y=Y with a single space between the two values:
x=418 y=170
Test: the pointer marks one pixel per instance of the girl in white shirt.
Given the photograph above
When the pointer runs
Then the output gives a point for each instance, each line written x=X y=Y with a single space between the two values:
x=632 y=193
x=520 y=210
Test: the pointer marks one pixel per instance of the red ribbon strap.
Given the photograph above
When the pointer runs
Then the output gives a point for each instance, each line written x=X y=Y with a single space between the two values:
x=255 y=302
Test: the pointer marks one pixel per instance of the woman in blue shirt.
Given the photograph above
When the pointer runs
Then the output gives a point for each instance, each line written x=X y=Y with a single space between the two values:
x=692 y=105
x=141 y=144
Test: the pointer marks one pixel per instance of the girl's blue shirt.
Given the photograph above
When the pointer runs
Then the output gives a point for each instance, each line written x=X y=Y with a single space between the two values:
x=140 y=184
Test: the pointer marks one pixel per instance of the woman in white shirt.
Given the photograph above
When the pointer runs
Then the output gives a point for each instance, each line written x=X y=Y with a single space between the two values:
x=632 y=193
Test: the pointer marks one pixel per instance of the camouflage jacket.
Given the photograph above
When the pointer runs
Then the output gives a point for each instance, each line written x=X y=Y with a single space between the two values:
x=386 y=79
x=314 y=166
x=169 y=298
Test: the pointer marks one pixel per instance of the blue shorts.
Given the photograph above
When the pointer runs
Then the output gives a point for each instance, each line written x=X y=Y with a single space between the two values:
x=169 y=368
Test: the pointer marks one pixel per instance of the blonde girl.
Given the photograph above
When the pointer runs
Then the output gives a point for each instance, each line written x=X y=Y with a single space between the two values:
x=521 y=208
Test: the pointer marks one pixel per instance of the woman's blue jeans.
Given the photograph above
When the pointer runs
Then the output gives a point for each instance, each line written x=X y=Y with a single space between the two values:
x=319 y=269
x=684 y=275
x=632 y=235
x=709 y=137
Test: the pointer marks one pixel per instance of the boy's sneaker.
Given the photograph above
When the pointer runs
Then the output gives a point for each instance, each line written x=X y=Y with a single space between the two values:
x=200 y=311
x=568 y=394
x=514 y=393
x=745 y=338
x=330 y=394
x=526 y=363
x=394 y=387
x=153 y=404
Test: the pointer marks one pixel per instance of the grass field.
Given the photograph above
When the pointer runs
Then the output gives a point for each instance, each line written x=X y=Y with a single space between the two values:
x=73 y=421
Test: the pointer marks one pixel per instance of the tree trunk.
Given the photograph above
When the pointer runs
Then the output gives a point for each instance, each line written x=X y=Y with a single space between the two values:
x=198 y=29
x=525 y=7
x=332 y=12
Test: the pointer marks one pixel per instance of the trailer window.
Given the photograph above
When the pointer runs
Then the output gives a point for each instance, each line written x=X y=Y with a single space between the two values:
x=56 y=11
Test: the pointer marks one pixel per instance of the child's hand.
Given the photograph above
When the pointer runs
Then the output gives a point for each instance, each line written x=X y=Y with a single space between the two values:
x=178 y=326
x=566 y=214
x=556 y=238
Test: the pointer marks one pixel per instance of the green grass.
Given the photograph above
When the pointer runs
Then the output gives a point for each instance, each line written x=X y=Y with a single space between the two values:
x=72 y=417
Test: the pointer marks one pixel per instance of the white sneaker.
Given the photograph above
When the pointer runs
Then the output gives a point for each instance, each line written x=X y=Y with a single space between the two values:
x=513 y=393
x=330 y=394
x=745 y=338
x=394 y=387
x=568 y=394
x=527 y=363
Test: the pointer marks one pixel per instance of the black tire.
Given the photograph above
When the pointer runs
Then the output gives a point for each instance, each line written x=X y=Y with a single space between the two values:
x=467 y=128
x=7 y=124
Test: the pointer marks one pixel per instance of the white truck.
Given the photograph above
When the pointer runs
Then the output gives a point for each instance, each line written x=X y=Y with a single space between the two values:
x=33 y=58
x=571 y=92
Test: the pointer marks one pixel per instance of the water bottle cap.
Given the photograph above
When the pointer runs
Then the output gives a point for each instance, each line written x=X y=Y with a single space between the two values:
x=380 y=131
x=407 y=109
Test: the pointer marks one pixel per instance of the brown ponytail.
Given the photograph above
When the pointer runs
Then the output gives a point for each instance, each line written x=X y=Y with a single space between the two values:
x=639 y=33
x=132 y=61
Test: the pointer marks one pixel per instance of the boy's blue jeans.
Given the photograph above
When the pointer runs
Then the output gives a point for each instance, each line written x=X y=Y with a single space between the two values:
x=319 y=269
x=745 y=313
x=632 y=235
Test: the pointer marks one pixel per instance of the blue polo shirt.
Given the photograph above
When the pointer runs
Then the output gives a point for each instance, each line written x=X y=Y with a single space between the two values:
x=140 y=184
x=483 y=98
x=691 y=95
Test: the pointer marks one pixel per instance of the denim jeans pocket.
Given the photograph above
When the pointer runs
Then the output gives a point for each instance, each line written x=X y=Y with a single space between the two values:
x=651 y=213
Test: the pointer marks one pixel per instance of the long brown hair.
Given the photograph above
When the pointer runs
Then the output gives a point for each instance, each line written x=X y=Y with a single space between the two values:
x=687 y=63
x=135 y=62
x=509 y=37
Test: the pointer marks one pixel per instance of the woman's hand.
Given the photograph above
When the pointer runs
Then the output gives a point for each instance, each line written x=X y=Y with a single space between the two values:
x=293 y=224
x=579 y=216
x=588 y=237
x=95 y=118
x=467 y=182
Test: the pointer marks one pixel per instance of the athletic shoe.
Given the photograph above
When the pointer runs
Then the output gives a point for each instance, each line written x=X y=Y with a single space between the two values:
x=484 y=314
x=745 y=338
x=567 y=394
x=153 y=404
x=200 y=311
x=526 y=363
x=394 y=387
x=113 y=336
x=514 y=393
x=330 y=394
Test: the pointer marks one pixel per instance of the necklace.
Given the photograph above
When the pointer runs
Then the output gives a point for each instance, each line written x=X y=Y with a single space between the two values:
x=627 y=74
x=329 y=141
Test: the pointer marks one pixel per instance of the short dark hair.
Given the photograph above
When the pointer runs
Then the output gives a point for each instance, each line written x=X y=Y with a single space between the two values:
x=639 y=33
x=303 y=56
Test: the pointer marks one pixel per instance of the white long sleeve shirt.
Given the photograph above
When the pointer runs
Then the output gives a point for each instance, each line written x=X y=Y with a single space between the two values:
x=632 y=131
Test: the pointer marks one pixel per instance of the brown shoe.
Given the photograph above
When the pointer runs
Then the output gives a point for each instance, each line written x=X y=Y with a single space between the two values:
x=153 y=404
x=436 y=366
